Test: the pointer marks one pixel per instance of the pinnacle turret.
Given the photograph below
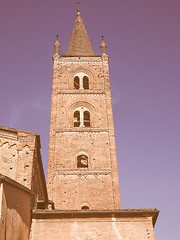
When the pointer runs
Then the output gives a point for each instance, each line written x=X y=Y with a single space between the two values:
x=56 y=46
x=103 y=46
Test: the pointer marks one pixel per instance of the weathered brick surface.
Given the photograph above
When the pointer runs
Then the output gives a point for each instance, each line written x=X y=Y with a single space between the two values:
x=20 y=159
x=8 y=153
x=93 y=229
x=15 y=210
x=79 y=44
x=68 y=186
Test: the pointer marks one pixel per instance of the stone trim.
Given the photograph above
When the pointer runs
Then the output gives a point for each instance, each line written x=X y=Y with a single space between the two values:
x=123 y=213
x=84 y=129
x=8 y=136
x=80 y=59
x=80 y=62
x=16 y=130
x=67 y=56
x=78 y=91
x=82 y=172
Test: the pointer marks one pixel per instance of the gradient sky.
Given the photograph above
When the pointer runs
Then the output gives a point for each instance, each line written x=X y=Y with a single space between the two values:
x=143 y=43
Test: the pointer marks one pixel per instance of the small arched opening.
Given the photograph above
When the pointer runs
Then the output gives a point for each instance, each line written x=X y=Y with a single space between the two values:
x=86 y=119
x=76 y=82
x=82 y=161
x=85 y=208
x=76 y=119
x=85 y=82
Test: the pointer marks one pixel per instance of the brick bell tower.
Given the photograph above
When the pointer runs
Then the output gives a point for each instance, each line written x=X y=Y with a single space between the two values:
x=82 y=176
x=82 y=165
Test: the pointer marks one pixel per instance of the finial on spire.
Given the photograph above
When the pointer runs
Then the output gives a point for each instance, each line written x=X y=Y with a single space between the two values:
x=78 y=9
x=103 y=46
x=56 y=46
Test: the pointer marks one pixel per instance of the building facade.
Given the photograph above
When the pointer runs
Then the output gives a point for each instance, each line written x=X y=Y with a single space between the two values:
x=82 y=200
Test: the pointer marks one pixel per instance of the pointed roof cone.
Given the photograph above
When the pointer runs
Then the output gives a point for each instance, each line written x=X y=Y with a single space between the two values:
x=56 y=46
x=79 y=44
x=103 y=46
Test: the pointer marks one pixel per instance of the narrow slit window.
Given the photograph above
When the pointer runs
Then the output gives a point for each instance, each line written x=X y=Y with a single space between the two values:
x=86 y=119
x=82 y=161
x=76 y=82
x=76 y=119
x=85 y=82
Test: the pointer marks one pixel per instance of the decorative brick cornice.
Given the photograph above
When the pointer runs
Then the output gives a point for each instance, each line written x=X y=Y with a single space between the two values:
x=74 y=129
x=80 y=60
x=84 y=92
x=83 y=172
x=118 y=214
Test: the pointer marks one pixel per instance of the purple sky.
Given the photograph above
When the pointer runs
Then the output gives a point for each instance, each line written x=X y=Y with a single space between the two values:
x=143 y=43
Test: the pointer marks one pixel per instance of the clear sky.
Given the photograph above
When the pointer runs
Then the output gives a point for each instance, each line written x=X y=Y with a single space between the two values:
x=143 y=43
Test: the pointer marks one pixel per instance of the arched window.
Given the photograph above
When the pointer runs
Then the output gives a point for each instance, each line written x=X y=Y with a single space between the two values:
x=76 y=119
x=81 y=117
x=85 y=208
x=76 y=82
x=86 y=119
x=85 y=82
x=81 y=81
x=82 y=161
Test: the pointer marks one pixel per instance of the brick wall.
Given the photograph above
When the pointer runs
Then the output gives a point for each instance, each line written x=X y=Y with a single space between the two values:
x=67 y=185
x=94 y=228
x=20 y=159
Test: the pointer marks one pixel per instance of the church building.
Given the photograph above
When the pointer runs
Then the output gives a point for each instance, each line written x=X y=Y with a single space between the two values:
x=81 y=199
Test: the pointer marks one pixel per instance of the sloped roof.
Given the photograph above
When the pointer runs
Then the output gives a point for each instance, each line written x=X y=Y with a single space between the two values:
x=79 y=44
x=16 y=184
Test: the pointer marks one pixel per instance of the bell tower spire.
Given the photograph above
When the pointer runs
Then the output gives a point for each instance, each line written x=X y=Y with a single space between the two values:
x=79 y=44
